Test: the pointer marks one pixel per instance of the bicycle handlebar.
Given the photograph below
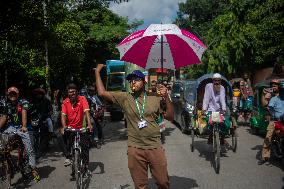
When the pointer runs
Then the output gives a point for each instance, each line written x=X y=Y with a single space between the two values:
x=81 y=130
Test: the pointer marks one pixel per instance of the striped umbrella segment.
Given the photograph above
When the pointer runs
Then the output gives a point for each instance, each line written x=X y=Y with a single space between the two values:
x=161 y=46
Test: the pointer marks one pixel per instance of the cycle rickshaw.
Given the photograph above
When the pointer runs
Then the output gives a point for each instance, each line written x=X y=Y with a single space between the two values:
x=213 y=123
x=258 y=121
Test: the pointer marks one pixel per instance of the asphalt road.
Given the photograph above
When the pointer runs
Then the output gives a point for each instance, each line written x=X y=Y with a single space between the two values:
x=186 y=169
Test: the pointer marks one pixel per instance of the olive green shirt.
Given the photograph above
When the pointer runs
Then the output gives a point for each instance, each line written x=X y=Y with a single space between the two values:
x=147 y=137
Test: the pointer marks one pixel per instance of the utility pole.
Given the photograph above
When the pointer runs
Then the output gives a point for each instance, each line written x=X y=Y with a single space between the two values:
x=47 y=78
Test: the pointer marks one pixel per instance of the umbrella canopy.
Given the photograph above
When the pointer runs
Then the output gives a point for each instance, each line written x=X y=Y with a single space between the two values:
x=161 y=46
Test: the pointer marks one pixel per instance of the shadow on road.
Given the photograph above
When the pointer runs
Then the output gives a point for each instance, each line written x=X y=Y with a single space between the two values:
x=260 y=134
x=94 y=165
x=43 y=171
x=273 y=160
x=177 y=125
x=258 y=148
x=204 y=149
x=177 y=182
x=168 y=131
x=114 y=131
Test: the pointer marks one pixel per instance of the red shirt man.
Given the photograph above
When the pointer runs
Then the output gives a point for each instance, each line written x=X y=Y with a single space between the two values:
x=75 y=111
x=74 y=108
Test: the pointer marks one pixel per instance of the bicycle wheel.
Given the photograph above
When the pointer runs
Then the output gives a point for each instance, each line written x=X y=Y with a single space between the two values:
x=216 y=151
x=234 y=141
x=78 y=167
x=5 y=175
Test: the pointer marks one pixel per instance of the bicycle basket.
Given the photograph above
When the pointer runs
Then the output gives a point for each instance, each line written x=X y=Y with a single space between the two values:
x=216 y=117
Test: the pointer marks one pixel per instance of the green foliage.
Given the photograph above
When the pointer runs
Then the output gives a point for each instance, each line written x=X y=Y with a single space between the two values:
x=70 y=35
x=77 y=33
x=241 y=35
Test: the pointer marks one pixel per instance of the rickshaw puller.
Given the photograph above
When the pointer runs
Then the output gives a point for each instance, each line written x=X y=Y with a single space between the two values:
x=215 y=100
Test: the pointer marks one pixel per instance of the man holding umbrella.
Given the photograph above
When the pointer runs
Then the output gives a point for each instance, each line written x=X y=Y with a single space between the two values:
x=141 y=112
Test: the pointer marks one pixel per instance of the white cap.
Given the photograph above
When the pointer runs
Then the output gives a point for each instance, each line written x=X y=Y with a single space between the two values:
x=217 y=76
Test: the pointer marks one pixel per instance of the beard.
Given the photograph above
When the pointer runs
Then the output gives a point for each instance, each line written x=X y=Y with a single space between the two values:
x=217 y=88
x=73 y=99
x=275 y=91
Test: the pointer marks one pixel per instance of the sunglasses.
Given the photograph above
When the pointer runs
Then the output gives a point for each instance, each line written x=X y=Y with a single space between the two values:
x=12 y=94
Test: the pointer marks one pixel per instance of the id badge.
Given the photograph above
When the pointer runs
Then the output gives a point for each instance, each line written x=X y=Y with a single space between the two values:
x=142 y=124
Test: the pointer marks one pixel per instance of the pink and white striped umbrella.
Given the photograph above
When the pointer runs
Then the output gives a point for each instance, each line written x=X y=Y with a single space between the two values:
x=143 y=47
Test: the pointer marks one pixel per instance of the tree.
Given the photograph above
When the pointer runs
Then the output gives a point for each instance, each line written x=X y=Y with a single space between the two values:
x=80 y=33
x=242 y=35
x=196 y=16
x=247 y=36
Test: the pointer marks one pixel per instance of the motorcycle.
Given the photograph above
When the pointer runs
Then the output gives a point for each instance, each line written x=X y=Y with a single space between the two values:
x=277 y=141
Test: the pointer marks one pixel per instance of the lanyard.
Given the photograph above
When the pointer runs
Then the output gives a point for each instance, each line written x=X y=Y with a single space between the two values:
x=141 y=113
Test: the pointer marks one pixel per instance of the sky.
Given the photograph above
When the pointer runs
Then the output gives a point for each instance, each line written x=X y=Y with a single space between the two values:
x=150 y=11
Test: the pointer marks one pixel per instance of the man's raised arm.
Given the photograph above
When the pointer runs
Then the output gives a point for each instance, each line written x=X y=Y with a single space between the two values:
x=100 y=86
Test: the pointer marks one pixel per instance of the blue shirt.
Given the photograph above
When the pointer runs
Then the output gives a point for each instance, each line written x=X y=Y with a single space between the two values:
x=276 y=107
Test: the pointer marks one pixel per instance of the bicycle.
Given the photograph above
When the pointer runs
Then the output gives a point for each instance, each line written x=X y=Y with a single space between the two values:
x=77 y=167
x=9 y=164
x=216 y=146
x=40 y=133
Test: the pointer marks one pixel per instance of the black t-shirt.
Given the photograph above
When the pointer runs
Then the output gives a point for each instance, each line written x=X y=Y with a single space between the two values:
x=43 y=107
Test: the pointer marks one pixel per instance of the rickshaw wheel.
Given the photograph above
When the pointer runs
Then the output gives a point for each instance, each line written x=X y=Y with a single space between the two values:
x=216 y=151
x=182 y=127
x=234 y=142
x=253 y=130
x=192 y=139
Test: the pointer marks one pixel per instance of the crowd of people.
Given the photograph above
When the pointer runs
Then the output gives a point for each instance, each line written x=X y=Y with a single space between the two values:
x=243 y=98
x=38 y=117
x=271 y=100
x=145 y=112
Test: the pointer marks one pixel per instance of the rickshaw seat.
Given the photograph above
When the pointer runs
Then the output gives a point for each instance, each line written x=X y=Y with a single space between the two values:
x=201 y=123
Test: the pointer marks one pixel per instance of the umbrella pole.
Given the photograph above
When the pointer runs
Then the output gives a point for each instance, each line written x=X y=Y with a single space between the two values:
x=162 y=56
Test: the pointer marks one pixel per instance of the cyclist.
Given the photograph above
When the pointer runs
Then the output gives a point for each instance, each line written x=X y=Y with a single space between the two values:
x=144 y=145
x=72 y=114
x=276 y=111
x=214 y=100
x=43 y=106
x=16 y=118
